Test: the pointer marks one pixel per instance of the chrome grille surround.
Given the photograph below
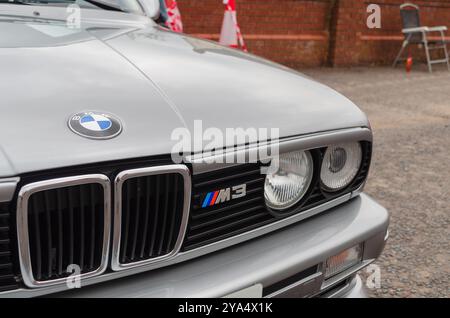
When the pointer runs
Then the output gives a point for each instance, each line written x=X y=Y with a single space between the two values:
x=23 y=231
x=116 y=265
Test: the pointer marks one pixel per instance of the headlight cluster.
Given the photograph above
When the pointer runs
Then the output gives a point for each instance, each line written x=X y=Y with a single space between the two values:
x=290 y=177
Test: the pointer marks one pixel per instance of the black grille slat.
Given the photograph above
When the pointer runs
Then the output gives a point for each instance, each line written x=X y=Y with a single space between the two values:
x=146 y=213
x=7 y=287
x=155 y=217
x=6 y=277
x=172 y=219
x=37 y=241
x=164 y=214
x=6 y=266
x=48 y=228
x=257 y=191
x=225 y=208
x=75 y=213
x=193 y=244
x=228 y=178
x=136 y=218
x=246 y=220
x=92 y=234
x=228 y=217
x=126 y=224
x=71 y=224
x=60 y=232
x=153 y=204
x=8 y=280
x=82 y=228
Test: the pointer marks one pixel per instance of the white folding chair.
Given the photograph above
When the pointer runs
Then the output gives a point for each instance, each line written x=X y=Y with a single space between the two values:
x=416 y=34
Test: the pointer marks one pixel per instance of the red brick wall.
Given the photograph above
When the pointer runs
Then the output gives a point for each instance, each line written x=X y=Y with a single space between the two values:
x=292 y=32
x=302 y=33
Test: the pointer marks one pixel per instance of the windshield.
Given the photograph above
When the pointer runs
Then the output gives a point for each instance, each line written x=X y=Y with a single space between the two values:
x=129 y=6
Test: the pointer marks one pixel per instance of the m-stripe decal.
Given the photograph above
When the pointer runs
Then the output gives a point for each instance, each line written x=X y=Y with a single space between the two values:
x=213 y=201
x=207 y=199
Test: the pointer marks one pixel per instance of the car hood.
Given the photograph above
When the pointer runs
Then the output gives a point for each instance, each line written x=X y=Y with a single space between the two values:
x=153 y=80
x=227 y=88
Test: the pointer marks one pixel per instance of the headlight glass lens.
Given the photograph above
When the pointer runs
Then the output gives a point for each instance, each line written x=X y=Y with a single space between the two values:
x=340 y=165
x=287 y=186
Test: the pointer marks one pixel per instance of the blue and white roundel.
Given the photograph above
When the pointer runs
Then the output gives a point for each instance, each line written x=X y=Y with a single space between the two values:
x=95 y=122
x=95 y=125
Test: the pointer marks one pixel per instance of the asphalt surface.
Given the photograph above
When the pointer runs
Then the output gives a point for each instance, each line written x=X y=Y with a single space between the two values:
x=410 y=174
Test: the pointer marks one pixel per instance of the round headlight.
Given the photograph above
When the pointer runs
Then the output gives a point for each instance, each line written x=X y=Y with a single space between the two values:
x=287 y=186
x=340 y=165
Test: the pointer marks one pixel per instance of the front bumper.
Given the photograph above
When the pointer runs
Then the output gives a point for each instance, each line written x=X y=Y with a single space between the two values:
x=269 y=260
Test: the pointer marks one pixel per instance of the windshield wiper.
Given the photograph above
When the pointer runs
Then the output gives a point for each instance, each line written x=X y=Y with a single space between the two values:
x=104 y=5
x=15 y=2
x=97 y=3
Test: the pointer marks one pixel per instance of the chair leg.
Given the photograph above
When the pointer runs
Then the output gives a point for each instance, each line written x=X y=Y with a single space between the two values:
x=427 y=52
x=399 y=55
x=446 y=56
x=444 y=43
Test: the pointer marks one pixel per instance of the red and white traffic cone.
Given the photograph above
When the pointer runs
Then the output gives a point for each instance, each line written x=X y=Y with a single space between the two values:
x=231 y=33
x=174 y=22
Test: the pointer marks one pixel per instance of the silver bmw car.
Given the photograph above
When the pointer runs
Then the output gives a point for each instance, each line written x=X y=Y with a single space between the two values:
x=102 y=196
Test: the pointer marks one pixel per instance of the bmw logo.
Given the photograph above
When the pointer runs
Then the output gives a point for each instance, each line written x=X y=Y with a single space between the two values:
x=95 y=125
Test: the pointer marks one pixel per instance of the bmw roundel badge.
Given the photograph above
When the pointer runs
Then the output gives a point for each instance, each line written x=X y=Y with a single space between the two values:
x=95 y=125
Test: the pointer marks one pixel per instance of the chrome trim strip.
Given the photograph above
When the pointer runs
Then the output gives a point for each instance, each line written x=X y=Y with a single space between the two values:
x=295 y=285
x=22 y=225
x=360 y=189
x=136 y=173
x=7 y=188
x=333 y=292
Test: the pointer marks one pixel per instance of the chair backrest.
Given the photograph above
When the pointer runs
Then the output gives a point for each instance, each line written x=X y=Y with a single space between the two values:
x=411 y=19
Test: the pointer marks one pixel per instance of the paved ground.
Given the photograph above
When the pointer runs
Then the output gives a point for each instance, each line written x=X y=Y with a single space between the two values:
x=410 y=175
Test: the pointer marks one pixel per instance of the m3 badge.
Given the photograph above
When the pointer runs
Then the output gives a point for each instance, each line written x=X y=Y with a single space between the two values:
x=224 y=195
